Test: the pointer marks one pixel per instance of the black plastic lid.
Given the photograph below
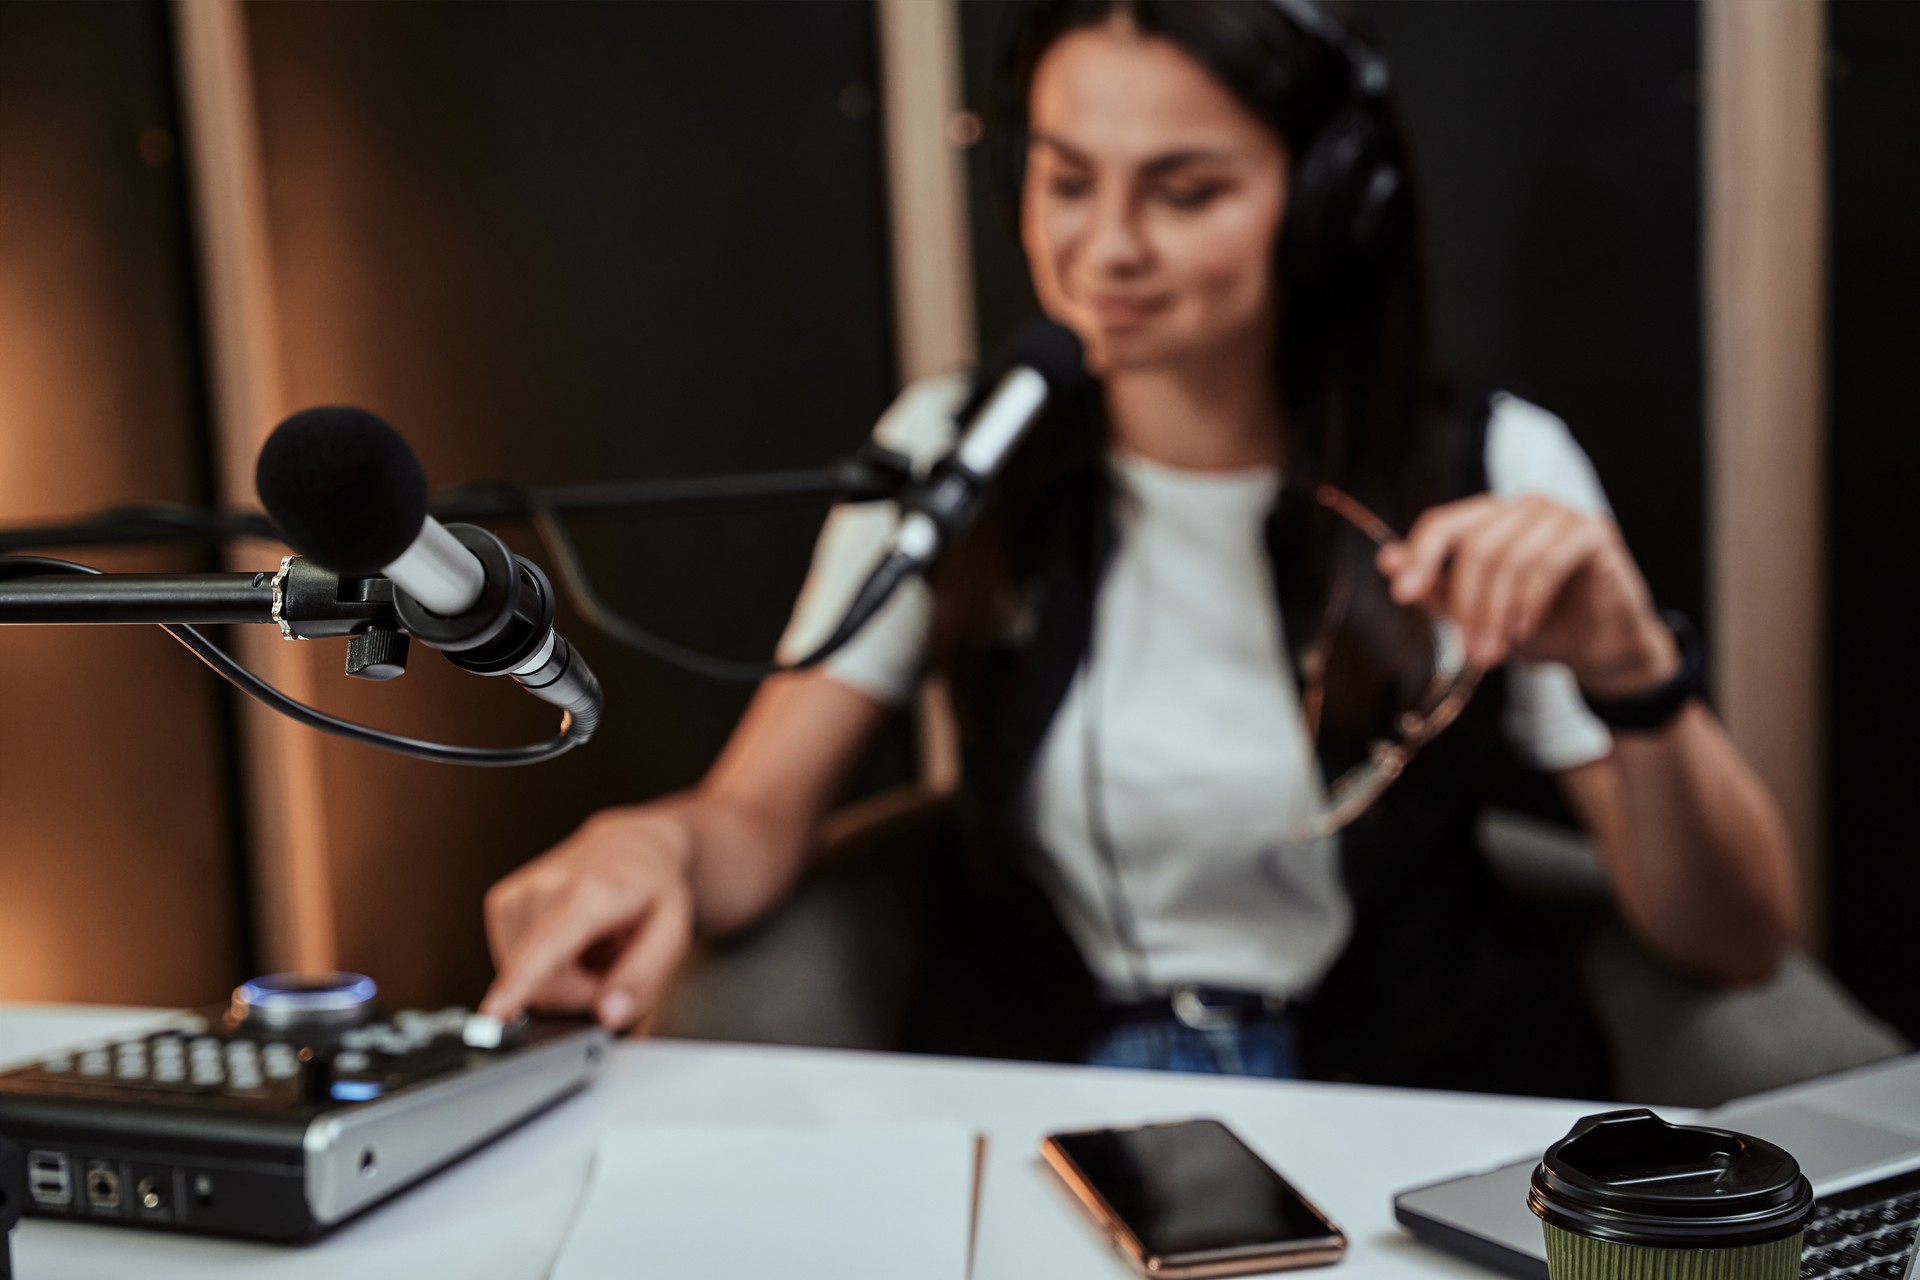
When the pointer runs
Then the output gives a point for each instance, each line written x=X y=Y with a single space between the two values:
x=1630 y=1177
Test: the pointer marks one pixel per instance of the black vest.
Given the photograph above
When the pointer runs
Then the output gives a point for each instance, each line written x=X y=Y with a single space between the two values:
x=1440 y=985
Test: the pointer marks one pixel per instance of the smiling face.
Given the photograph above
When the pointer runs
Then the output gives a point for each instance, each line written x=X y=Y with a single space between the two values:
x=1152 y=203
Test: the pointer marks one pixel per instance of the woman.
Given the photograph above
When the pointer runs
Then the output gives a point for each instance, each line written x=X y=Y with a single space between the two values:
x=1143 y=624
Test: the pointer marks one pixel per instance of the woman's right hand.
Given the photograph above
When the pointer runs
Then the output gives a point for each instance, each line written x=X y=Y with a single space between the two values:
x=600 y=921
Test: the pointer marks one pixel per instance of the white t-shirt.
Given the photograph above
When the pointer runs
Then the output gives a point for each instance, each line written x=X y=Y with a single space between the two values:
x=1204 y=761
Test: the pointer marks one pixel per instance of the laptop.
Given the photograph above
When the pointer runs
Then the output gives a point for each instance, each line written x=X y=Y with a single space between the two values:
x=1856 y=1136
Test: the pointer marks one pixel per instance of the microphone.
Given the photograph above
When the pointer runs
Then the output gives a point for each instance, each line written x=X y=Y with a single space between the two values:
x=1045 y=364
x=345 y=490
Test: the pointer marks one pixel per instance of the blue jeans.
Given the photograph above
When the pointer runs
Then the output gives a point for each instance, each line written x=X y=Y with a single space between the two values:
x=1267 y=1047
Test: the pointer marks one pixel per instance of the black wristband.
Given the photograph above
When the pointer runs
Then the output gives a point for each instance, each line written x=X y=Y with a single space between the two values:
x=1655 y=708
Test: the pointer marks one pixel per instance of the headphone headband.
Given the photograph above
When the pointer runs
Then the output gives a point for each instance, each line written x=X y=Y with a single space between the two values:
x=1348 y=191
x=1370 y=77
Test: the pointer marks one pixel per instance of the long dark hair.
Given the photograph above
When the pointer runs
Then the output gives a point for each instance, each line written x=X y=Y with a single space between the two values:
x=1364 y=409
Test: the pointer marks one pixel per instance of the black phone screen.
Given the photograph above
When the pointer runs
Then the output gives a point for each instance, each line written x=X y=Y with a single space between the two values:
x=1191 y=1188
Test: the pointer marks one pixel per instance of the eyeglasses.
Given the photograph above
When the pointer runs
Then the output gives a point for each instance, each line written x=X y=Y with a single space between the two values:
x=1439 y=704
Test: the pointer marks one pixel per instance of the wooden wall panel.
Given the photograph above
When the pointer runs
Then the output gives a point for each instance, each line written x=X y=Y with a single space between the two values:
x=117 y=866
x=1766 y=284
x=280 y=765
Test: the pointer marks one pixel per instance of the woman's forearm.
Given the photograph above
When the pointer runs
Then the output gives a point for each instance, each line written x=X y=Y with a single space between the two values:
x=752 y=820
x=740 y=863
x=1696 y=846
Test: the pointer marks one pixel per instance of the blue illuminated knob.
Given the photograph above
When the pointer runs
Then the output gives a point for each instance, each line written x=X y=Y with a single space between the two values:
x=308 y=1001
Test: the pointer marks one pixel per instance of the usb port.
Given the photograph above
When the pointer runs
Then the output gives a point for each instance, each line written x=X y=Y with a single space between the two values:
x=50 y=1178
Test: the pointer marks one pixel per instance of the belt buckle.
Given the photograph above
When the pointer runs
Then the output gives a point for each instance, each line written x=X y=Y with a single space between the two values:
x=1192 y=1011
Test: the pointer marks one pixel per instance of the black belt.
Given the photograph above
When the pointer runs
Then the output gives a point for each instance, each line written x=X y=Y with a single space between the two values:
x=1202 y=1007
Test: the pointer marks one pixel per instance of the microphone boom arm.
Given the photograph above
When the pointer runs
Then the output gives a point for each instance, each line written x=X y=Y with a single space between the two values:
x=309 y=602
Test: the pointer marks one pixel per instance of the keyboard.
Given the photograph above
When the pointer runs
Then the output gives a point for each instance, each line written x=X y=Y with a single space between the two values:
x=1866 y=1233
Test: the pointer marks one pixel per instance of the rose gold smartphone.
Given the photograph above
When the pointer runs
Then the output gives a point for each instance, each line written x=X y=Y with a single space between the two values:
x=1189 y=1200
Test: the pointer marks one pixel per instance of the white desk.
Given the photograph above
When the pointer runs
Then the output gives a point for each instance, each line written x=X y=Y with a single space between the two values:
x=503 y=1213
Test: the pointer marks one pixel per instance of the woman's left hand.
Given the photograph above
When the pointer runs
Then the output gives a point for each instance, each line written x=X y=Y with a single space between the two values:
x=1534 y=579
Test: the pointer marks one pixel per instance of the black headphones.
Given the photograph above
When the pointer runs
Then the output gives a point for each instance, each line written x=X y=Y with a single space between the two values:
x=1347 y=197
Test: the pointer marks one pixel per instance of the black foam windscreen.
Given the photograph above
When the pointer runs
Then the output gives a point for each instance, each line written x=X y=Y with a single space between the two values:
x=1053 y=352
x=343 y=487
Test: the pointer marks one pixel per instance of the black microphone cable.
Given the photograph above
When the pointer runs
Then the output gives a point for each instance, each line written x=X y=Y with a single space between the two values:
x=593 y=609
x=1043 y=362
x=574 y=729
x=144 y=521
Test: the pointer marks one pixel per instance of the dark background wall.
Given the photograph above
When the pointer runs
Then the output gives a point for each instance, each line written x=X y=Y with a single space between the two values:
x=1874 y=331
x=1558 y=151
x=561 y=243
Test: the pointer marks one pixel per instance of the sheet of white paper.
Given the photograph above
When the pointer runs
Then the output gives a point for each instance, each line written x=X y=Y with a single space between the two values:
x=849 y=1202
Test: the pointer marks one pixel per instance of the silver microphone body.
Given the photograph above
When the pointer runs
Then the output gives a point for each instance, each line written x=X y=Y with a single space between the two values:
x=1002 y=420
x=438 y=571
x=444 y=575
x=1046 y=363
x=958 y=481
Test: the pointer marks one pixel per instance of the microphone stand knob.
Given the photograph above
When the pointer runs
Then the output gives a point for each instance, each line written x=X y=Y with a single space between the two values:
x=378 y=654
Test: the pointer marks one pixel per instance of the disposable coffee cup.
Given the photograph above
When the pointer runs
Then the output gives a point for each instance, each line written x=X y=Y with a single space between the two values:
x=1625 y=1194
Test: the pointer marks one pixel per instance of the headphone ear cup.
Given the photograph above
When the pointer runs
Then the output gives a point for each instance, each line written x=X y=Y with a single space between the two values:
x=1344 y=202
x=1377 y=209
